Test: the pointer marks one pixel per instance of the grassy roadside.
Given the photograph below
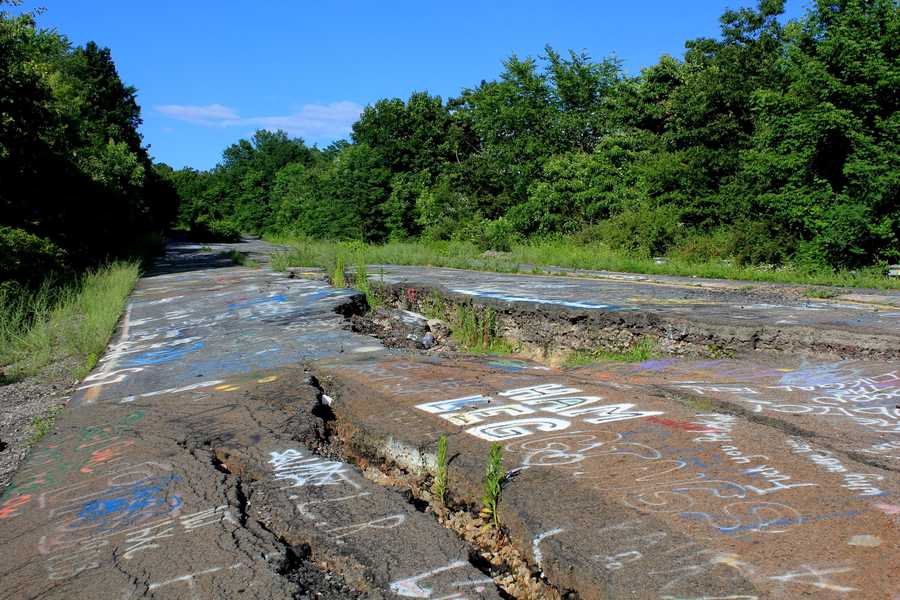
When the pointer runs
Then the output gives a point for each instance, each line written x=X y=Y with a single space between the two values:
x=63 y=321
x=563 y=254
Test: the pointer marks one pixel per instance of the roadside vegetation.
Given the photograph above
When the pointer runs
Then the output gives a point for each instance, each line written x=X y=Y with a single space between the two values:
x=768 y=152
x=62 y=321
x=538 y=255
x=79 y=191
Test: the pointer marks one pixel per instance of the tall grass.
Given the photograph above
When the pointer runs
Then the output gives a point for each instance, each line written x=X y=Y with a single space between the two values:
x=476 y=331
x=561 y=253
x=63 y=320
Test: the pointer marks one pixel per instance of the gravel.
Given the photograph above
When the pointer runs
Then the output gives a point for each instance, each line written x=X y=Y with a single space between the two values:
x=20 y=404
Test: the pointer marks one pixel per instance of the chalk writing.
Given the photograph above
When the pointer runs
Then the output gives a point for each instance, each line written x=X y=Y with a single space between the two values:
x=295 y=467
x=412 y=587
x=190 y=578
x=388 y=522
x=808 y=575
x=553 y=398
x=863 y=483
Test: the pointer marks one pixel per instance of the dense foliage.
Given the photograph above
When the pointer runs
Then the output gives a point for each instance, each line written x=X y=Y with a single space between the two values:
x=76 y=184
x=775 y=142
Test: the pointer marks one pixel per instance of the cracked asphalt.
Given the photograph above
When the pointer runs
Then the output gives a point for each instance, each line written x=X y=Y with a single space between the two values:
x=233 y=442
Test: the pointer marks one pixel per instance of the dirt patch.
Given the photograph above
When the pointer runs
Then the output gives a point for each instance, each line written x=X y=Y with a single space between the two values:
x=398 y=328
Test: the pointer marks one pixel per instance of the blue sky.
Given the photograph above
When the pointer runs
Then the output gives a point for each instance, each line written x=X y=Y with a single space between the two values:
x=208 y=73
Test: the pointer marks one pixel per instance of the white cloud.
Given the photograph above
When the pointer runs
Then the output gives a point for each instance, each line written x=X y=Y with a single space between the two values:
x=213 y=115
x=312 y=121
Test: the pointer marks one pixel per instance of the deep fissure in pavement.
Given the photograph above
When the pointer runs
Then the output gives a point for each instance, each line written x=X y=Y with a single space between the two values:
x=490 y=549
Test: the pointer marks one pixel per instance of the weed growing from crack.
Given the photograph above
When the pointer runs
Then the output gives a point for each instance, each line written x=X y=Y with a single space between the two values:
x=434 y=306
x=361 y=282
x=717 y=352
x=439 y=489
x=823 y=293
x=337 y=277
x=491 y=484
x=43 y=424
x=477 y=331
x=643 y=350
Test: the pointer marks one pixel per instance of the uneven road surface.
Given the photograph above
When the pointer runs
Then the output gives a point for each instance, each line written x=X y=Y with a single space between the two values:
x=237 y=440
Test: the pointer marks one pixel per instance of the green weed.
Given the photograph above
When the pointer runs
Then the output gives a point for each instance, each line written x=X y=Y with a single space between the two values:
x=476 y=331
x=492 y=483
x=236 y=257
x=643 y=350
x=337 y=275
x=42 y=425
x=821 y=293
x=362 y=283
x=717 y=352
x=434 y=306
x=439 y=488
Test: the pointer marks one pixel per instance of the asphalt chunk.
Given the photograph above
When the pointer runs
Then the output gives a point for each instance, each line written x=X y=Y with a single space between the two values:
x=620 y=491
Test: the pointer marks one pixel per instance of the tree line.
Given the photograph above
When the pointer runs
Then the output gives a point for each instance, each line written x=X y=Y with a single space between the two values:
x=76 y=183
x=776 y=141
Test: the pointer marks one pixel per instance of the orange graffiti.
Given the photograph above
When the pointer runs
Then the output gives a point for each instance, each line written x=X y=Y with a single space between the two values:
x=107 y=454
x=10 y=508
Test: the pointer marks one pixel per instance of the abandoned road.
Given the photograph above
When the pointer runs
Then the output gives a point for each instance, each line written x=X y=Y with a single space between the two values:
x=239 y=440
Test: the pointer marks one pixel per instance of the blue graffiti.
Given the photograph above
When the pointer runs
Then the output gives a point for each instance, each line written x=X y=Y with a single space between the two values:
x=129 y=504
x=654 y=365
x=782 y=522
x=512 y=366
x=277 y=298
x=820 y=374
x=155 y=357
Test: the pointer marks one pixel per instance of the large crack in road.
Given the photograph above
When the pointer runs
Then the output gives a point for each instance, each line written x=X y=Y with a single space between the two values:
x=237 y=440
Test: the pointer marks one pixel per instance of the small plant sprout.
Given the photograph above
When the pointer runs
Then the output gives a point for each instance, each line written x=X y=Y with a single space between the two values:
x=493 y=477
x=439 y=489
x=337 y=278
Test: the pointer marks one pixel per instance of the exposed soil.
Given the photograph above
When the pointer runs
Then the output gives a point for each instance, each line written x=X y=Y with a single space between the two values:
x=398 y=328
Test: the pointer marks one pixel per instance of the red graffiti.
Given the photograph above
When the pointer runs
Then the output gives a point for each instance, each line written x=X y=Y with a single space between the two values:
x=682 y=425
x=10 y=508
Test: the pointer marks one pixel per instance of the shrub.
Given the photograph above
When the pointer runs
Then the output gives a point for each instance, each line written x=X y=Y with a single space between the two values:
x=644 y=230
x=215 y=230
x=759 y=242
x=27 y=258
